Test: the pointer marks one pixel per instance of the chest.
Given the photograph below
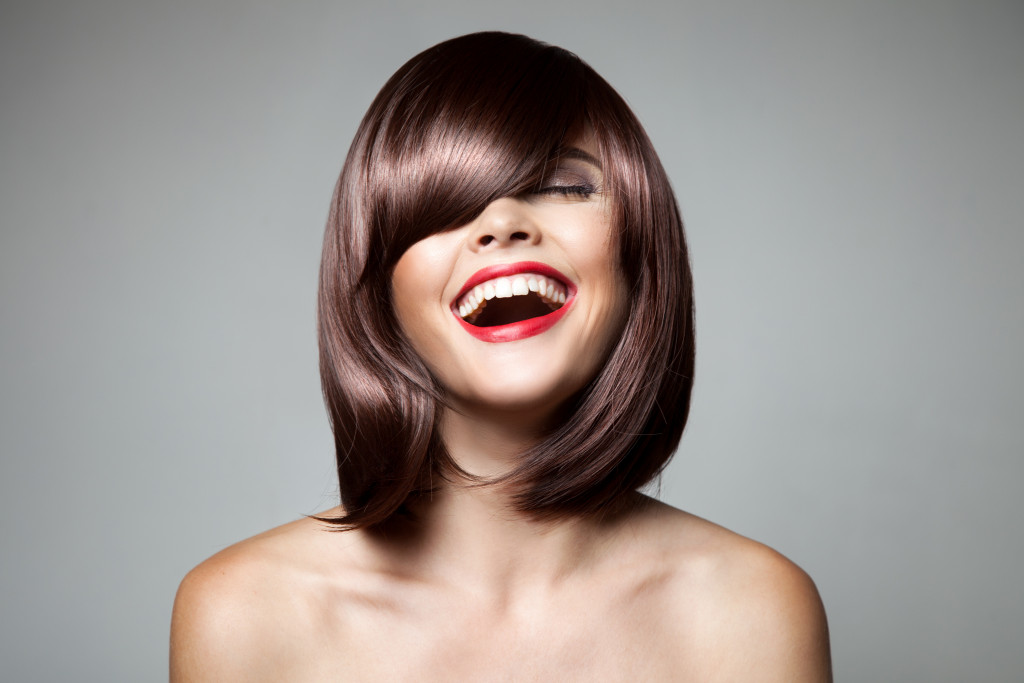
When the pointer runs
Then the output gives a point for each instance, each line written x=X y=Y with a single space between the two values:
x=574 y=638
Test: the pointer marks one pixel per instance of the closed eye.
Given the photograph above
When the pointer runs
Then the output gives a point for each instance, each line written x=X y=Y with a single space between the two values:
x=583 y=191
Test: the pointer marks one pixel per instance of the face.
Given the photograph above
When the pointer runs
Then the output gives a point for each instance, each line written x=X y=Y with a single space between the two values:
x=519 y=309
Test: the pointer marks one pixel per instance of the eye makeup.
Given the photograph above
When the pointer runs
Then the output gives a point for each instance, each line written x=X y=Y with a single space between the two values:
x=574 y=173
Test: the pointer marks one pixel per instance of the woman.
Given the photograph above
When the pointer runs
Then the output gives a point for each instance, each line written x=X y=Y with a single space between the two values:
x=506 y=337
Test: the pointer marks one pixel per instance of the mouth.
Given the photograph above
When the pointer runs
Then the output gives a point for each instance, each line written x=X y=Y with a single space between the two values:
x=512 y=301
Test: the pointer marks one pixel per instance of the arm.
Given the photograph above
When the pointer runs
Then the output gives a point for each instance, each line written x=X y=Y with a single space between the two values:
x=774 y=627
x=218 y=626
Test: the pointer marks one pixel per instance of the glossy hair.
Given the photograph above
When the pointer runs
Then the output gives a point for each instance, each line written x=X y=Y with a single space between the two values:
x=460 y=125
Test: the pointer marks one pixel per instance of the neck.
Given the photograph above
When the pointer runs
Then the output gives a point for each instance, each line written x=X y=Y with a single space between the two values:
x=489 y=445
x=476 y=540
x=471 y=536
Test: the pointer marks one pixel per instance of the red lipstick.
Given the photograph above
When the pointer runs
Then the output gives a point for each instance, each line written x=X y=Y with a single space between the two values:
x=523 y=328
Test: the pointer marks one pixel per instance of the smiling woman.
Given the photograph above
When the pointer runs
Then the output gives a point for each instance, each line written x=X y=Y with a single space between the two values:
x=506 y=335
x=540 y=270
x=484 y=152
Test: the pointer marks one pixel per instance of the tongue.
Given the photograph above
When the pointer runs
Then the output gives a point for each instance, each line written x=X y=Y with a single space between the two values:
x=511 y=310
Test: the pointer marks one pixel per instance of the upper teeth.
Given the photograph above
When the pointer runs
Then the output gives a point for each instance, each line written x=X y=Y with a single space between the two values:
x=550 y=290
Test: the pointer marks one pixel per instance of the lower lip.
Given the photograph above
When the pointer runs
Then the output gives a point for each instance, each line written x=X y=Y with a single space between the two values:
x=516 y=331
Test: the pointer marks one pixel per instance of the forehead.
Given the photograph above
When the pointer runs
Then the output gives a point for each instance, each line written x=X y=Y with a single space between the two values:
x=586 y=141
x=583 y=148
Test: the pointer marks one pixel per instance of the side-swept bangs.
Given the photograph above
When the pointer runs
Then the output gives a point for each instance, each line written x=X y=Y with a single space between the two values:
x=460 y=125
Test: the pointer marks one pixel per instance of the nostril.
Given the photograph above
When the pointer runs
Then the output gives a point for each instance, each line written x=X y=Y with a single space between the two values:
x=486 y=239
x=520 y=236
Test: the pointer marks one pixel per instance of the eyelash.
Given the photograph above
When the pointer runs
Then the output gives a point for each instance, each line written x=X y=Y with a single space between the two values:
x=583 y=191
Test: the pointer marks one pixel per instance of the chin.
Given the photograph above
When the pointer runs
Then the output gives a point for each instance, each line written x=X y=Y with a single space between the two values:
x=519 y=390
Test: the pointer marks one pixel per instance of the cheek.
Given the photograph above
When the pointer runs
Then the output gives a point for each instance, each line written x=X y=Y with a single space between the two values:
x=418 y=282
x=607 y=310
x=613 y=314
x=615 y=299
x=418 y=287
x=598 y=261
x=405 y=306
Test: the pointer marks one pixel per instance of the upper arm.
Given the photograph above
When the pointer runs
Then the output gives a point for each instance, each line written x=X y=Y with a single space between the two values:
x=217 y=632
x=775 y=626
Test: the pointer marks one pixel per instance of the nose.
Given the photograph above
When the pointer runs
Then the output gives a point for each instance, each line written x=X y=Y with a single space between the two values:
x=504 y=223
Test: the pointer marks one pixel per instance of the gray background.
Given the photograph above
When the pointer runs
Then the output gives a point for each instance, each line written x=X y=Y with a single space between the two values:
x=852 y=180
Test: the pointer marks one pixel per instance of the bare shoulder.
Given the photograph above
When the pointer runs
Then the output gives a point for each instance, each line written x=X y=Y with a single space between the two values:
x=755 y=614
x=239 y=614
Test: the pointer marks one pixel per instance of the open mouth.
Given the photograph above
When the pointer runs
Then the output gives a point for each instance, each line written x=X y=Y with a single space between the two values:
x=506 y=300
x=511 y=301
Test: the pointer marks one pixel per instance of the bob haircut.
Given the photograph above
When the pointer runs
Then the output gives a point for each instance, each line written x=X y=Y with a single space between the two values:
x=460 y=125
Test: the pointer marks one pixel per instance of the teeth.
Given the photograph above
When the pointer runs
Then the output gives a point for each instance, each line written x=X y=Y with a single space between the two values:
x=473 y=301
x=503 y=288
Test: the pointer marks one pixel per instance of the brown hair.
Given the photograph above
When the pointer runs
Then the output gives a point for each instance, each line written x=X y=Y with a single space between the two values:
x=460 y=125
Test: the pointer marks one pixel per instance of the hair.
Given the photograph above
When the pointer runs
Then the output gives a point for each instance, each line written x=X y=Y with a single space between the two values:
x=460 y=125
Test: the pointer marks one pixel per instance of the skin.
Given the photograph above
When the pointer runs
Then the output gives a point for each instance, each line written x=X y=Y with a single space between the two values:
x=471 y=590
x=505 y=394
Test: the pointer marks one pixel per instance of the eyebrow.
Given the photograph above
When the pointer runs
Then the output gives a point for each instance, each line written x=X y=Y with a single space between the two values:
x=577 y=153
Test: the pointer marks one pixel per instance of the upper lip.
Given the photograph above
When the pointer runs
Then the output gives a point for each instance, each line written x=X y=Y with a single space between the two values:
x=506 y=269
